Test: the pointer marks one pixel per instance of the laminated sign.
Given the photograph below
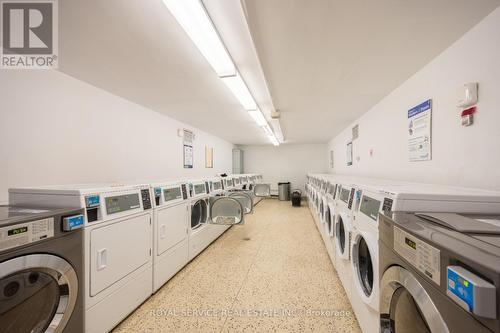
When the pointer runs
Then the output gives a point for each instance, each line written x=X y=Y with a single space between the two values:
x=419 y=132
x=188 y=149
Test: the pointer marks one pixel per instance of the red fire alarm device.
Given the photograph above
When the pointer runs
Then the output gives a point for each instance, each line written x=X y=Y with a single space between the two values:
x=468 y=116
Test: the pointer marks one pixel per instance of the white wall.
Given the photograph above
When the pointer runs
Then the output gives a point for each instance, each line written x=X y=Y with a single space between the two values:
x=285 y=163
x=467 y=156
x=55 y=129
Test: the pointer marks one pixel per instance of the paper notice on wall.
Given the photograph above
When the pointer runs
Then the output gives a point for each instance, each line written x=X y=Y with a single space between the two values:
x=188 y=149
x=419 y=132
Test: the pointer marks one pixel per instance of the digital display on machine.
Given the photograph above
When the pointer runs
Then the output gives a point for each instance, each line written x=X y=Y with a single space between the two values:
x=344 y=195
x=217 y=186
x=199 y=189
x=172 y=194
x=122 y=203
x=17 y=231
x=410 y=243
x=229 y=182
x=370 y=207
x=236 y=181
x=92 y=201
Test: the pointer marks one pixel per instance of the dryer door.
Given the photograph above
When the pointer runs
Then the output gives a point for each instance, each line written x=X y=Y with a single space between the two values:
x=245 y=200
x=405 y=306
x=199 y=213
x=38 y=293
x=365 y=267
x=226 y=211
x=328 y=220
x=342 y=236
x=262 y=190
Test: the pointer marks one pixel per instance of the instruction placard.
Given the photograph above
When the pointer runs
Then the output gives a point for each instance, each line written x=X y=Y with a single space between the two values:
x=419 y=132
x=188 y=149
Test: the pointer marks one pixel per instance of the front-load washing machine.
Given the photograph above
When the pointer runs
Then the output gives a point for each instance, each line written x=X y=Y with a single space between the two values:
x=440 y=273
x=170 y=230
x=399 y=198
x=330 y=216
x=118 y=277
x=41 y=270
x=343 y=230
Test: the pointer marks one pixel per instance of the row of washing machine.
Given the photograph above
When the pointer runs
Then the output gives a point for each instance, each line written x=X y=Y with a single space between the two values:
x=135 y=237
x=420 y=281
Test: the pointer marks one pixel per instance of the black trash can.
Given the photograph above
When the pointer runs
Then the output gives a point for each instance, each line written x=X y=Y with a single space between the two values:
x=296 y=198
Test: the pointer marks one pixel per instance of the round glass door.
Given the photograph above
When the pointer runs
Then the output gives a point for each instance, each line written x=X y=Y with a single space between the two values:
x=245 y=201
x=328 y=219
x=198 y=213
x=37 y=293
x=364 y=267
x=406 y=314
x=405 y=305
x=341 y=235
x=226 y=211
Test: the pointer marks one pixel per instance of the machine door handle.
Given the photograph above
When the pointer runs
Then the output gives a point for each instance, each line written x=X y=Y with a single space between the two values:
x=102 y=259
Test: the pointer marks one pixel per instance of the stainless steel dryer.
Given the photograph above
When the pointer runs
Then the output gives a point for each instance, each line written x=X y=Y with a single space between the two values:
x=441 y=273
x=41 y=270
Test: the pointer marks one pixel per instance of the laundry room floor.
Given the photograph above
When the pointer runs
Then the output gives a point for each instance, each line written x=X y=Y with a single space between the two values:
x=272 y=274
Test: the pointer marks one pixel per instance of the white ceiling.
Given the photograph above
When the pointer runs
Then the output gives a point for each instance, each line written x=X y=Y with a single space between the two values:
x=137 y=50
x=326 y=62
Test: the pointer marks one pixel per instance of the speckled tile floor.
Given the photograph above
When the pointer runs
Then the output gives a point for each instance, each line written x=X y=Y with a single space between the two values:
x=272 y=274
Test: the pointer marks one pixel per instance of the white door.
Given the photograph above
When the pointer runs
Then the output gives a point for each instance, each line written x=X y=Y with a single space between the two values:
x=171 y=227
x=118 y=249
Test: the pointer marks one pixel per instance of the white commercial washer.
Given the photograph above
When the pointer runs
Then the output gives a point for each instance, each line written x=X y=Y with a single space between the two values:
x=170 y=230
x=118 y=276
x=343 y=228
x=330 y=215
x=403 y=198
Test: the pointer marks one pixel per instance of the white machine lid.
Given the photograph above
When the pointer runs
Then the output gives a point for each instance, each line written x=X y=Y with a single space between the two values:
x=465 y=224
x=76 y=189
x=431 y=192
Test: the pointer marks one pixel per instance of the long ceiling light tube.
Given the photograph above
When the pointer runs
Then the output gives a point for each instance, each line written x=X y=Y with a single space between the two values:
x=194 y=19
x=240 y=90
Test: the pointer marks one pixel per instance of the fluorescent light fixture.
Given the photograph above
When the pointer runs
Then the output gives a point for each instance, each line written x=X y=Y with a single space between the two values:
x=194 y=19
x=240 y=90
x=258 y=117
x=268 y=130
x=275 y=123
x=273 y=139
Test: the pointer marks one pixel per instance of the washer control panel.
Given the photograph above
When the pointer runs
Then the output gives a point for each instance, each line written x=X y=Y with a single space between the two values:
x=25 y=233
x=418 y=253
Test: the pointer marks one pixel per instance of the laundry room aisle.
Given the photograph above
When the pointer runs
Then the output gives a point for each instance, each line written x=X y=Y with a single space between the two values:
x=272 y=274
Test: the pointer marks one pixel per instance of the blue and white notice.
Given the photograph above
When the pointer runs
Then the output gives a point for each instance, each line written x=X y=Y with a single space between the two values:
x=419 y=132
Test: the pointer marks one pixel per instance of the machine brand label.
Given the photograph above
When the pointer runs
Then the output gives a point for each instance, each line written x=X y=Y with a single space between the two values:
x=418 y=253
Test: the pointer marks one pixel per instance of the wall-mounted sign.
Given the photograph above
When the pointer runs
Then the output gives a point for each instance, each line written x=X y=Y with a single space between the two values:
x=209 y=157
x=188 y=138
x=419 y=132
x=349 y=154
